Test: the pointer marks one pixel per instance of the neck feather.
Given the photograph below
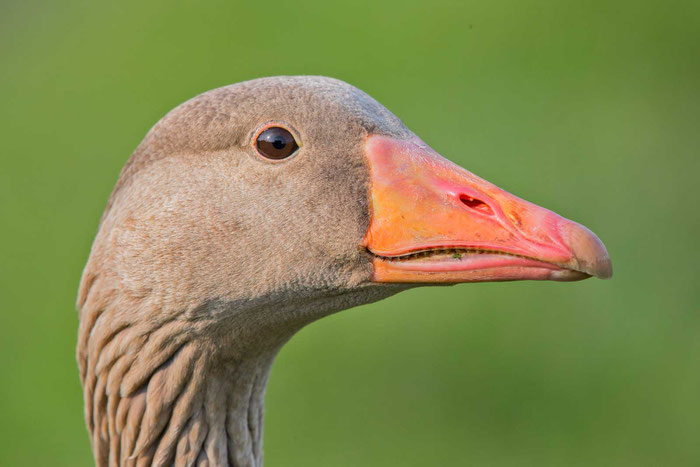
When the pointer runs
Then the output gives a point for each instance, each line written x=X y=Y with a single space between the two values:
x=171 y=382
x=171 y=391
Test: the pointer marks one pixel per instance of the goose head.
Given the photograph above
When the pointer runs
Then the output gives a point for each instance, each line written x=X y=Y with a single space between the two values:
x=248 y=212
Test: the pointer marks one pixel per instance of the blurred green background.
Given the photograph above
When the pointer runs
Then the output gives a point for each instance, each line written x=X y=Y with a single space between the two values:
x=591 y=109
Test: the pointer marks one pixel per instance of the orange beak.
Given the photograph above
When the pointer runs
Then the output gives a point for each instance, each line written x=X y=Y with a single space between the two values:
x=434 y=222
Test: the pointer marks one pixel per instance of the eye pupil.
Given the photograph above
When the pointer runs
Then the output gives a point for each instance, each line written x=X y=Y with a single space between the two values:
x=276 y=143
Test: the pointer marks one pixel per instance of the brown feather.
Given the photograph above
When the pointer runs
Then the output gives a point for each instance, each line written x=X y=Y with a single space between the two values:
x=208 y=258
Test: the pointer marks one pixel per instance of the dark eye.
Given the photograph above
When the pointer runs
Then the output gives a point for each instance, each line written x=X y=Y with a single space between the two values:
x=276 y=143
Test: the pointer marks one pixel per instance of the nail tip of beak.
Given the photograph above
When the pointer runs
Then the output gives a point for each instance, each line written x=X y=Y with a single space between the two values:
x=602 y=265
x=601 y=268
x=589 y=253
x=605 y=270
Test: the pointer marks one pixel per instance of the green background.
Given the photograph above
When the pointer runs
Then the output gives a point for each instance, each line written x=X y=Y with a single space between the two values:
x=590 y=108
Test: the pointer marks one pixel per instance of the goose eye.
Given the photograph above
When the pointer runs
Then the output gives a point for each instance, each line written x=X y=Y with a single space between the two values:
x=276 y=143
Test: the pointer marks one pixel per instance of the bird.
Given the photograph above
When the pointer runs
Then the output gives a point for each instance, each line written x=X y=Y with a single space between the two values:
x=252 y=210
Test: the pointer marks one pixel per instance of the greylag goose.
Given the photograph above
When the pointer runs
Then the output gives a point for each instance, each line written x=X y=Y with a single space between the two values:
x=252 y=210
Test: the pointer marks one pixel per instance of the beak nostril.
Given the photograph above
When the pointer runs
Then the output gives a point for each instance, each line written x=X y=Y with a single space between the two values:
x=475 y=204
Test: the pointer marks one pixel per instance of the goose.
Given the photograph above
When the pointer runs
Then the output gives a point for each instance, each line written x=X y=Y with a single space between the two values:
x=252 y=210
